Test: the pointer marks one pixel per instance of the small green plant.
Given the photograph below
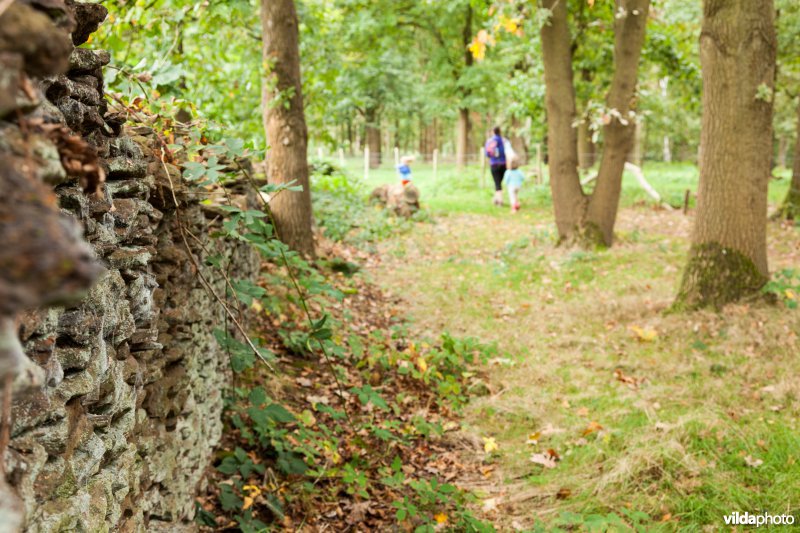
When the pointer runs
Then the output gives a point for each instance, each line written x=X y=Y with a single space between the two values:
x=786 y=287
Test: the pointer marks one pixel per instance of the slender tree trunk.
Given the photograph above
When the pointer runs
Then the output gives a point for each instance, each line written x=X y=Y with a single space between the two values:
x=619 y=133
x=518 y=141
x=562 y=139
x=783 y=148
x=728 y=256
x=285 y=124
x=790 y=209
x=374 y=141
x=350 y=137
x=462 y=143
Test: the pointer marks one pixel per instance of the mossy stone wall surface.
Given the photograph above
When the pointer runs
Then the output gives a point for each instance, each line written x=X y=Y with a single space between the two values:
x=117 y=415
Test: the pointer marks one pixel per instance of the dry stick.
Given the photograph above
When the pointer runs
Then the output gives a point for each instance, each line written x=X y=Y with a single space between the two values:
x=5 y=423
x=206 y=284
x=299 y=291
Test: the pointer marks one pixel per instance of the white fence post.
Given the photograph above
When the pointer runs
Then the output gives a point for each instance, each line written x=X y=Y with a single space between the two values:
x=341 y=157
x=396 y=156
x=319 y=152
x=435 y=162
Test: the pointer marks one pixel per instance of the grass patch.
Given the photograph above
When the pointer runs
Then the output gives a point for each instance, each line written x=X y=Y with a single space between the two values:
x=662 y=421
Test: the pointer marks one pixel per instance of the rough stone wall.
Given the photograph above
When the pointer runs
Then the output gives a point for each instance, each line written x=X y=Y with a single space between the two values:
x=115 y=423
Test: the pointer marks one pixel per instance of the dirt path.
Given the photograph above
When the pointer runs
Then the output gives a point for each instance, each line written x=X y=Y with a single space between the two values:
x=603 y=403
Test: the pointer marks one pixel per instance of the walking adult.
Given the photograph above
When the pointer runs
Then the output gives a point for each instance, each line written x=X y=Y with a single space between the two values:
x=497 y=150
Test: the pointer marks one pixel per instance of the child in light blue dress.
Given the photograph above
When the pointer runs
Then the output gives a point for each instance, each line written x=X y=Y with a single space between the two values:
x=513 y=179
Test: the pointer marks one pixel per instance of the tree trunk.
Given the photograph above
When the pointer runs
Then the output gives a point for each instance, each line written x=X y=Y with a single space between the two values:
x=285 y=124
x=518 y=141
x=728 y=256
x=562 y=139
x=790 y=209
x=350 y=137
x=783 y=148
x=373 y=133
x=619 y=133
x=462 y=145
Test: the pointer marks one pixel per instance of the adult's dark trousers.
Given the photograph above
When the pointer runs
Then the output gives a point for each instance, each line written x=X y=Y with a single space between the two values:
x=498 y=171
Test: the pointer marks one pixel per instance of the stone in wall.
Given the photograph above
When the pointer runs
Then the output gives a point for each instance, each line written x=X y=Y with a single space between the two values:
x=115 y=432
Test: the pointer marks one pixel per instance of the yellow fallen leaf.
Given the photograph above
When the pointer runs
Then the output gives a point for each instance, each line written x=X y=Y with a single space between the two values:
x=422 y=364
x=533 y=438
x=644 y=335
x=440 y=518
x=790 y=294
x=248 y=503
x=489 y=444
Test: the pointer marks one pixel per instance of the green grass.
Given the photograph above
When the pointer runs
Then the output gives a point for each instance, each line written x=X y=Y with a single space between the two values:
x=713 y=392
x=470 y=190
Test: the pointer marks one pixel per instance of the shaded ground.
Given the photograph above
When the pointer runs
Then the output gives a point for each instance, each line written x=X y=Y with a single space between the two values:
x=623 y=408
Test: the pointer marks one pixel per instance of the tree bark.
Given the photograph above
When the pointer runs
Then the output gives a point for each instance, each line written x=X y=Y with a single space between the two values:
x=462 y=141
x=462 y=145
x=619 y=133
x=285 y=125
x=518 y=141
x=374 y=142
x=728 y=256
x=562 y=140
x=790 y=209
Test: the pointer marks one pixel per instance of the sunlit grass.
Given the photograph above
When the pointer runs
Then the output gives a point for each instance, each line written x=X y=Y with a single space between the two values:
x=707 y=425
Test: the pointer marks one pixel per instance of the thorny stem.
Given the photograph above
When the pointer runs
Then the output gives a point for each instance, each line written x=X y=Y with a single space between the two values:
x=202 y=277
x=303 y=302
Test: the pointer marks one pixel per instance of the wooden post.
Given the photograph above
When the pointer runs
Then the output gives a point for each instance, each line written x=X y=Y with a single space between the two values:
x=539 y=170
x=366 y=163
x=396 y=156
x=435 y=162
x=341 y=157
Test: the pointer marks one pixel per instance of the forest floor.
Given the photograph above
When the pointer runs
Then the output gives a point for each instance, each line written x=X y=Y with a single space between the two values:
x=606 y=407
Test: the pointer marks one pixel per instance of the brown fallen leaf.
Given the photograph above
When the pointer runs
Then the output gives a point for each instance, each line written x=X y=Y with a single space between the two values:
x=592 y=428
x=563 y=493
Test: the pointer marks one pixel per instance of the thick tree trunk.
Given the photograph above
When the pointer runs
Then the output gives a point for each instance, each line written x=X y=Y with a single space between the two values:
x=562 y=139
x=728 y=256
x=374 y=142
x=619 y=133
x=285 y=125
x=790 y=209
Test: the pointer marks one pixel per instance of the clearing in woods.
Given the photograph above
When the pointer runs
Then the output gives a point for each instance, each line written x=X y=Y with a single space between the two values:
x=606 y=405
